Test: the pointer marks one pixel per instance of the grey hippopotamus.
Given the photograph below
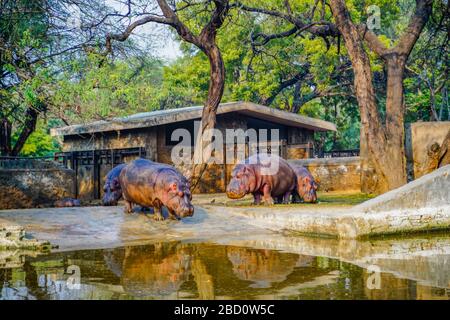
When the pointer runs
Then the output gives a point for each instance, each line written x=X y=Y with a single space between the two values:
x=153 y=184
x=306 y=185
x=112 y=189
x=67 y=202
x=262 y=175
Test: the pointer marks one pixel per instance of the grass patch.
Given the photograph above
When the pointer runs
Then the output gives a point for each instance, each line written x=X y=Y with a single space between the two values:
x=331 y=199
x=351 y=199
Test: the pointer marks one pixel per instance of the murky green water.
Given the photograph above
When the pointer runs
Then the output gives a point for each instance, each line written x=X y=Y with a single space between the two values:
x=179 y=270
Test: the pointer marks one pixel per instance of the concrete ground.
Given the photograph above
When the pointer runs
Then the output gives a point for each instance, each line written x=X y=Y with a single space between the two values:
x=107 y=227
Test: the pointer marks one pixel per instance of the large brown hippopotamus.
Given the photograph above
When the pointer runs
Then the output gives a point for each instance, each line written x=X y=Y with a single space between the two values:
x=112 y=189
x=153 y=184
x=263 y=175
x=306 y=185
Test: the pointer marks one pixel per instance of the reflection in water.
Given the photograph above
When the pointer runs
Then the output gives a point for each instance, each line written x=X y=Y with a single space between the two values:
x=177 y=270
x=263 y=267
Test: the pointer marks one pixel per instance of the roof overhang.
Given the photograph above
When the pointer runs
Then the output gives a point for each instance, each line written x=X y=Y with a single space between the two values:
x=157 y=118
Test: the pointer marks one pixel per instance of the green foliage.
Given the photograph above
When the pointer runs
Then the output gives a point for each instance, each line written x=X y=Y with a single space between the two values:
x=87 y=86
x=40 y=143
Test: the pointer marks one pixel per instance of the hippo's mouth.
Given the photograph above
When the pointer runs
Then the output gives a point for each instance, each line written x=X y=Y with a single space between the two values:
x=310 y=198
x=234 y=195
x=109 y=201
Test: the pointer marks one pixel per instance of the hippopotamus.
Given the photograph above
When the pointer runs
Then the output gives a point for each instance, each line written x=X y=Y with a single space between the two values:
x=112 y=189
x=153 y=184
x=306 y=185
x=67 y=202
x=262 y=175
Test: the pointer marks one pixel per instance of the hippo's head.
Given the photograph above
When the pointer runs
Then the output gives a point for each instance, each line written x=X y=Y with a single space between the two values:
x=242 y=182
x=112 y=188
x=179 y=198
x=307 y=189
x=113 y=192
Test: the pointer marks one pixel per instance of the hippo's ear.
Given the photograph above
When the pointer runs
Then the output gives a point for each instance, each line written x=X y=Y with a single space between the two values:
x=173 y=187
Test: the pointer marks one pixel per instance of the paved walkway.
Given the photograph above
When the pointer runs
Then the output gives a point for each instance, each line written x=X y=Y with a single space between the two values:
x=102 y=227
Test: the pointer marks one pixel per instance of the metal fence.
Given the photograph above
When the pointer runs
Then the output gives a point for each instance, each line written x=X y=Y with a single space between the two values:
x=73 y=160
x=336 y=153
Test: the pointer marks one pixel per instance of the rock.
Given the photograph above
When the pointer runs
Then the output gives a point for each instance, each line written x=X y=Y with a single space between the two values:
x=429 y=191
x=14 y=237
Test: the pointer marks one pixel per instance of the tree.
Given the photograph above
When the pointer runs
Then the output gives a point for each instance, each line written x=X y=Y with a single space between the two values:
x=88 y=90
x=382 y=144
x=33 y=35
x=205 y=40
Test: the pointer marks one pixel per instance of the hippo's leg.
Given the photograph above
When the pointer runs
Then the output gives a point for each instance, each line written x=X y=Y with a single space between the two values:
x=256 y=198
x=267 y=198
x=296 y=197
x=128 y=206
x=286 y=197
x=157 y=215
x=279 y=200
x=173 y=215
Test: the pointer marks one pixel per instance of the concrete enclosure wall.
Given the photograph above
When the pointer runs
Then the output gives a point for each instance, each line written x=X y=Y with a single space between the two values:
x=41 y=185
x=334 y=174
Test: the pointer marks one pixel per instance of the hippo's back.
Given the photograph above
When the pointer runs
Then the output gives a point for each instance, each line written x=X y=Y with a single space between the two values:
x=283 y=177
x=141 y=180
x=138 y=180
x=115 y=171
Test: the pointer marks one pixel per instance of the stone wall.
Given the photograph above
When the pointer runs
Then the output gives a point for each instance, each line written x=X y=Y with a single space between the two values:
x=334 y=174
x=35 y=187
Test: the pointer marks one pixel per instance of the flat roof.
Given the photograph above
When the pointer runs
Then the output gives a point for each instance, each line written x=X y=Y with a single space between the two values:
x=160 y=117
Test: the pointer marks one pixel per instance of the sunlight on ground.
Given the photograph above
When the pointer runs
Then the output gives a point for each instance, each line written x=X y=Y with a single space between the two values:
x=324 y=199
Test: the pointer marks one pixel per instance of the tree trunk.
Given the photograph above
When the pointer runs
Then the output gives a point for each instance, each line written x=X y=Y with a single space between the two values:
x=202 y=152
x=29 y=126
x=5 y=137
x=297 y=99
x=373 y=139
x=394 y=156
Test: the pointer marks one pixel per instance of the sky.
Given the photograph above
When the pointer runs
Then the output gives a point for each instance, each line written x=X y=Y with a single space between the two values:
x=164 y=44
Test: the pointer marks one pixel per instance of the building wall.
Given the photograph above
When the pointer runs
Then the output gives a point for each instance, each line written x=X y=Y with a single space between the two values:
x=115 y=140
x=334 y=174
x=158 y=148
